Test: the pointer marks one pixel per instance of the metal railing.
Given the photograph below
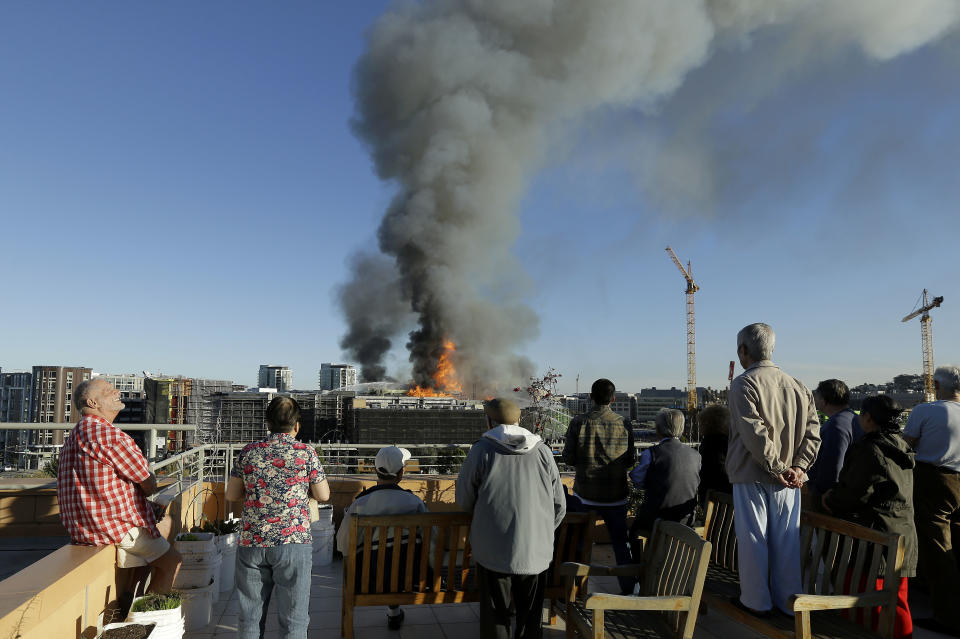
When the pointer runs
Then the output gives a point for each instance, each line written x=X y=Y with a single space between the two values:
x=19 y=453
x=213 y=462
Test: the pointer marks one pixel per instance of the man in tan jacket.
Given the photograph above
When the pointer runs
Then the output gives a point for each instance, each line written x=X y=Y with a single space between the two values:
x=774 y=439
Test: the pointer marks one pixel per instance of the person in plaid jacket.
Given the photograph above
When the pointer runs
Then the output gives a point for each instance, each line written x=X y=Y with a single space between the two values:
x=103 y=482
x=600 y=446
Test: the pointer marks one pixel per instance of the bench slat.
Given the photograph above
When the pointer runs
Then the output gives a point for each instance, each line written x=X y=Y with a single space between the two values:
x=438 y=558
x=820 y=539
x=843 y=565
x=453 y=540
x=829 y=561
x=398 y=546
x=365 y=570
x=428 y=539
x=412 y=533
x=381 y=557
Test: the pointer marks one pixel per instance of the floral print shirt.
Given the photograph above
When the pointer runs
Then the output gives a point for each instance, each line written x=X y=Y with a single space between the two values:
x=277 y=474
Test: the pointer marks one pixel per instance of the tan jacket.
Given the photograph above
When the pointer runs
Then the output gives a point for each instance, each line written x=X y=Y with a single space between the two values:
x=773 y=425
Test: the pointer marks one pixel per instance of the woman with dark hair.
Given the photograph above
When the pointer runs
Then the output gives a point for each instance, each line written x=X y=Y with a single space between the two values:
x=875 y=489
x=715 y=430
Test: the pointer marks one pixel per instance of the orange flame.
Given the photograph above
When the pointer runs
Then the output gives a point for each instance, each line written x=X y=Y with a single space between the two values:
x=445 y=379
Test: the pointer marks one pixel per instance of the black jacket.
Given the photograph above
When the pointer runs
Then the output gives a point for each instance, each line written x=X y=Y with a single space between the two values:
x=875 y=489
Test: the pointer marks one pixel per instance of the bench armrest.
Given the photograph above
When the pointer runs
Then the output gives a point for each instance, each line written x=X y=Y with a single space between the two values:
x=574 y=569
x=629 y=602
x=838 y=602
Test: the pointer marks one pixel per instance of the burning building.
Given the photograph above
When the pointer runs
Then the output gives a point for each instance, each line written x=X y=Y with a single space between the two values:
x=412 y=420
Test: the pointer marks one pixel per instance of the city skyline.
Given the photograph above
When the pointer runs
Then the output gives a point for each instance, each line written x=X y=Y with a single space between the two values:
x=156 y=170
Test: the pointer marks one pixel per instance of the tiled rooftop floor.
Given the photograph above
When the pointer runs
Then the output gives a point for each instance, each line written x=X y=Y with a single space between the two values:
x=446 y=621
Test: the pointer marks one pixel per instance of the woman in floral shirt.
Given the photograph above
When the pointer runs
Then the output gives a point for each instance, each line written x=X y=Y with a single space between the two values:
x=273 y=479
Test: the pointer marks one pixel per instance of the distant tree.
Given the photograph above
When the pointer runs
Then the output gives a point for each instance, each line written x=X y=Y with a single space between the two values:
x=543 y=398
x=905 y=383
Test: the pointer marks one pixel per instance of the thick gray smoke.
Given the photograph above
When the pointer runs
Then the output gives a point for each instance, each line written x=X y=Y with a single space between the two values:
x=456 y=100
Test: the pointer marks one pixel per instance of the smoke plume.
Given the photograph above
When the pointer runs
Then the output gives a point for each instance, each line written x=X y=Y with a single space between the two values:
x=456 y=100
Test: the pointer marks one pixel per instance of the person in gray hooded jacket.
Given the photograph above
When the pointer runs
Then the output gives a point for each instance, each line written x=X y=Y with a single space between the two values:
x=510 y=482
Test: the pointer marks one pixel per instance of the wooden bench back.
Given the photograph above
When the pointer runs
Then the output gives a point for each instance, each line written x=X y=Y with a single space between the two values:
x=838 y=556
x=573 y=541
x=841 y=557
x=675 y=565
x=718 y=530
x=439 y=543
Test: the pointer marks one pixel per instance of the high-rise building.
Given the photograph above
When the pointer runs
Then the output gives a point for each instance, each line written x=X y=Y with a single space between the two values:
x=51 y=402
x=184 y=400
x=129 y=384
x=240 y=416
x=272 y=376
x=15 y=391
x=334 y=376
x=14 y=407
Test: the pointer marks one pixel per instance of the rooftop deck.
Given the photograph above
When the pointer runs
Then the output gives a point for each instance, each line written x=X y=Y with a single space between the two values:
x=63 y=593
x=444 y=621
x=448 y=621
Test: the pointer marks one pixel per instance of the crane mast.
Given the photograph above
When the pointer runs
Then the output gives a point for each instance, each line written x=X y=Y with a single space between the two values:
x=926 y=341
x=691 y=332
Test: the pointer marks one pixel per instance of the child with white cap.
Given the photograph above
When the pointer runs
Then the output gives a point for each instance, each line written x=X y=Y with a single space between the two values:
x=386 y=498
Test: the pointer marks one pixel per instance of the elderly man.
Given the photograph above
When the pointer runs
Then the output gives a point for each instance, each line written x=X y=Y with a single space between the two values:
x=274 y=478
x=669 y=474
x=386 y=498
x=600 y=447
x=934 y=431
x=774 y=438
x=842 y=428
x=511 y=484
x=103 y=483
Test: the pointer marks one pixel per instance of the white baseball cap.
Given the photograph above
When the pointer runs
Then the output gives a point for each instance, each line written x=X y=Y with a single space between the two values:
x=390 y=459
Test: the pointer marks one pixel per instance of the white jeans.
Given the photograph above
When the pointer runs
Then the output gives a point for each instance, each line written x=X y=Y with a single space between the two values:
x=767 y=523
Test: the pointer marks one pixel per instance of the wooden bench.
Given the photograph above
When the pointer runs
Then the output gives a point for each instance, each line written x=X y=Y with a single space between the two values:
x=671 y=577
x=438 y=566
x=840 y=562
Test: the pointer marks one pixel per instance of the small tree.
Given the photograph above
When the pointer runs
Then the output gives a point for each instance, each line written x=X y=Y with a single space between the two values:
x=51 y=467
x=543 y=393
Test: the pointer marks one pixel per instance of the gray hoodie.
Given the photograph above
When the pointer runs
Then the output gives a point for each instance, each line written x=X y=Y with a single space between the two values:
x=510 y=482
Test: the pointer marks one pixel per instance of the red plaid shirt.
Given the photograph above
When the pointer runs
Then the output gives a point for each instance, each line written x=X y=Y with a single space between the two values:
x=100 y=467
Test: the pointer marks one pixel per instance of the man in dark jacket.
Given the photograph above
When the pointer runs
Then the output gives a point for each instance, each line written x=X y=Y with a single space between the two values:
x=842 y=428
x=875 y=489
x=510 y=482
x=669 y=474
x=600 y=447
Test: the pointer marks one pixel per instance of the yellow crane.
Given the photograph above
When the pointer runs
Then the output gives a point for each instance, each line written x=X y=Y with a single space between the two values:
x=926 y=338
x=691 y=333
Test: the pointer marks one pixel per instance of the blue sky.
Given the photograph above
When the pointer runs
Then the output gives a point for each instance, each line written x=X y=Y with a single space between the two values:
x=180 y=190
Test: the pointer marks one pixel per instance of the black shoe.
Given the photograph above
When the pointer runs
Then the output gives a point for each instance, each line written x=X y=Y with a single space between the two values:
x=762 y=614
x=395 y=621
x=929 y=623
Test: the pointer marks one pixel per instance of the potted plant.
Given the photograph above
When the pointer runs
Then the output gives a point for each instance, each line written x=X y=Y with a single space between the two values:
x=164 y=610
x=126 y=630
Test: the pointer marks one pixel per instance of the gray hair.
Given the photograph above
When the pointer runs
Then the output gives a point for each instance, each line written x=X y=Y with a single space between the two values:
x=759 y=339
x=669 y=422
x=948 y=377
x=82 y=392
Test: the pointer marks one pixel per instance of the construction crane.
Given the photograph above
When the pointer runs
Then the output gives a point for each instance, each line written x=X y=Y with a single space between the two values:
x=926 y=337
x=691 y=333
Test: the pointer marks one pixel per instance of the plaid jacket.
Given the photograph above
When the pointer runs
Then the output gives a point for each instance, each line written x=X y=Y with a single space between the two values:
x=601 y=449
x=97 y=484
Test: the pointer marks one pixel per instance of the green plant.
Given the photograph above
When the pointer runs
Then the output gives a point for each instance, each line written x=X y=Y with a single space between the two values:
x=188 y=537
x=449 y=460
x=217 y=526
x=154 y=601
x=50 y=468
